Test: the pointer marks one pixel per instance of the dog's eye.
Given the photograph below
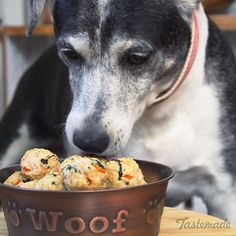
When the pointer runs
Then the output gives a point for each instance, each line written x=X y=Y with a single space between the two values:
x=137 y=58
x=70 y=54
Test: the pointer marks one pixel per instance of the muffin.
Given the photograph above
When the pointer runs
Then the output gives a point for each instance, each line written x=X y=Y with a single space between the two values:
x=36 y=163
x=51 y=181
x=84 y=173
x=124 y=172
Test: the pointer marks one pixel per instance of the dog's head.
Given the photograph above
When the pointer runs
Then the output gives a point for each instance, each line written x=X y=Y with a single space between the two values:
x=121 y=54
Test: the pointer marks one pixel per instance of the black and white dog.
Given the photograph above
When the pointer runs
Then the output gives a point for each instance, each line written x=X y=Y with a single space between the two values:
x=153 y=79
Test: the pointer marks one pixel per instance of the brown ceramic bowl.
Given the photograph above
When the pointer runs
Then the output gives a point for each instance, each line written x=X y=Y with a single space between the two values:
x=134 y=211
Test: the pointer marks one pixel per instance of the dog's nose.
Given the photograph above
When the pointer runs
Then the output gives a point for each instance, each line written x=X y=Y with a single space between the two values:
x=91 y=140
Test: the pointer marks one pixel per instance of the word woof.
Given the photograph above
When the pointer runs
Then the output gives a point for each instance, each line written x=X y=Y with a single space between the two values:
x=49 y=221
x=53 y=221
x=76 y=225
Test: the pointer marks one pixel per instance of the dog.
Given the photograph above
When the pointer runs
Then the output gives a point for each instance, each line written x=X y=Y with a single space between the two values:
x=152 y=79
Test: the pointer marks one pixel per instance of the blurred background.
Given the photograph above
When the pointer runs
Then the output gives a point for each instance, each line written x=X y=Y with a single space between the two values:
x=17 y=52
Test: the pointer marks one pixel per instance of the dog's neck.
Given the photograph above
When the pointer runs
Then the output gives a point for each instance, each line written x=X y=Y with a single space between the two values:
x=161 y=116
x=164 y=127
x=192 y=82
x=190 y=60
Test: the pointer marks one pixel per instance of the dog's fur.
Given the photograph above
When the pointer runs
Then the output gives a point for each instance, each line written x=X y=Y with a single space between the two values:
x=194 y=131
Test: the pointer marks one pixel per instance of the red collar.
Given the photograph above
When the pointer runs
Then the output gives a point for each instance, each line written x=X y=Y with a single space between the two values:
x=188 y=63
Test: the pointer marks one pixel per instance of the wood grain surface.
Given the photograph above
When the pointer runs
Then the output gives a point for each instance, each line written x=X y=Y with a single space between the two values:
x=171 y=224
x=173 y=219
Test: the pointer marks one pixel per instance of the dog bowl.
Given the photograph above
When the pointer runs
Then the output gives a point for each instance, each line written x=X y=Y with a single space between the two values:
x=134 y=211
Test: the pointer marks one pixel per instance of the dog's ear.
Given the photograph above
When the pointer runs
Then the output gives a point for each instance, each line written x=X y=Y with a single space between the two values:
x=37 y=7
x=193 y=4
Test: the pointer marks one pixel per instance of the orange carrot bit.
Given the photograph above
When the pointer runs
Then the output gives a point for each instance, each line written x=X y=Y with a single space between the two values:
x=89 y=179
x=129 y=177
x=100 y=169
x=18 y=181
x=26 y=169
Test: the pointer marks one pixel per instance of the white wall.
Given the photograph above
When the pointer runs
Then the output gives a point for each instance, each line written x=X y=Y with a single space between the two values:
x=1 y=82
x=1 y=10
x=21 y=51
x=1 y=77
x=13 y=12
x=231 y=36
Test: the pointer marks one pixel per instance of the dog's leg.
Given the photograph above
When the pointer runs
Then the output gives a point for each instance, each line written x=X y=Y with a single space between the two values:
x=38 y=110
x=215 y=191
x=176 y=194
x=20 y=127
x=220 y=201
x=16 y=128
x=186 y=184
x=15 y=143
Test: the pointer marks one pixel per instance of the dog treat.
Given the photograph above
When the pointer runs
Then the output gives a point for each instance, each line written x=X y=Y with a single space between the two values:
x=30 y=184
x=124 y=172
x=19 y=180
x=84 y=173
x=71 y=159
x=51 y=181
x=41 y=169
x=36 y=163
x=16 y=179
x=68 y=161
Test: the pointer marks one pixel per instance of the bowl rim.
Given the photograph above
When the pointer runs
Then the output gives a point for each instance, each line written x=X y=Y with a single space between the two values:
x=171 y=175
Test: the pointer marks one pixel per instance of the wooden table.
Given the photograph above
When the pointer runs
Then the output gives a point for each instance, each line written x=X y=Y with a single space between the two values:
x=172 y=221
